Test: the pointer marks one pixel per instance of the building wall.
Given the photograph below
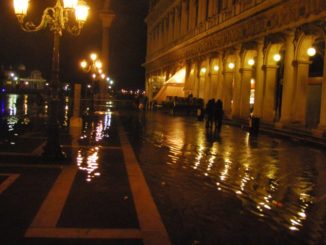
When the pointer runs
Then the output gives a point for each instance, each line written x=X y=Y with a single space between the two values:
x=213 y=34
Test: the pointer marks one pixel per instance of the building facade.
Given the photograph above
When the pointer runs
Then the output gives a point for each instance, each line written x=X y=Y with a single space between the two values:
x=15 y=82
x=261 y=57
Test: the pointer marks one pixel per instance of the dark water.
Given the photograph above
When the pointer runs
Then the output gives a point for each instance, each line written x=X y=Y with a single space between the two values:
x=231 y=188
x=210 y=189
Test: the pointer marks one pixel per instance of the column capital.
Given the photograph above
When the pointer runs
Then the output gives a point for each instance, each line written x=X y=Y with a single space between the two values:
x=301 y=62
x=265 y=67
x=260 y=42
x=244 y=70
x=290 y=33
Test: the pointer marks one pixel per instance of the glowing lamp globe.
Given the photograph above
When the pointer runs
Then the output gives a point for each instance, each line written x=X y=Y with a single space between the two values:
x=81 y=11
x=277 y=57
x=231 y=66
x=251 y=62
x=21 y=7
x=311 y=51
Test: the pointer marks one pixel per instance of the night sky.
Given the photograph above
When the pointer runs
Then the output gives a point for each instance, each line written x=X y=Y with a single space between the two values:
x=34 y=50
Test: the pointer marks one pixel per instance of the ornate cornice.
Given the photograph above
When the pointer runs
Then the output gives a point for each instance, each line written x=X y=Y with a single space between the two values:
x=290 y=14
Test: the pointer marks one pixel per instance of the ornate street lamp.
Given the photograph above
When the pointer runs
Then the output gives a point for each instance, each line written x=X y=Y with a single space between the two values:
x=94 y=66
x=67 y=15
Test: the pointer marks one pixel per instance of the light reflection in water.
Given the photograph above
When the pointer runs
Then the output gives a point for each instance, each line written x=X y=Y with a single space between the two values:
x=254 y=173
x=12 y=104
x=199 y=156
x=46 y=108
x=12 y=119
x=93 y=132
x=176 y=143
x=99 y=131
x=227 y=165
x=211 y=160
x=66 y=112
x=87 y=161
x=25 y=104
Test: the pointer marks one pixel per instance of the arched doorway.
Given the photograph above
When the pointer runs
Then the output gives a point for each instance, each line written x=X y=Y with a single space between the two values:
x=279 y=86
x=315 y=83
x=273 y=82
x=248 y=67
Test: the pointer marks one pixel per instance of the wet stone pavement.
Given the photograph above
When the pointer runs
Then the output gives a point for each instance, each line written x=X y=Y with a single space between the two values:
x=229 y=188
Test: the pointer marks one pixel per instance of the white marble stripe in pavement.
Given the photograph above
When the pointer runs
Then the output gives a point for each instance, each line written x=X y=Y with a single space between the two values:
x=8 y=181
x=151 y=225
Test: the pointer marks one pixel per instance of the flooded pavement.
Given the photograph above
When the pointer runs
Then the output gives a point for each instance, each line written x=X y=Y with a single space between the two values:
x=209 y=189
x=230 y=188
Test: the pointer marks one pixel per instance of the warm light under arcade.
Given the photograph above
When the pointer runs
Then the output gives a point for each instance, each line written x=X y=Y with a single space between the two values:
x=252 y=92
x=251 y=62
x=21 y=7
x=178 y=77
x=311 y=51
x=277 y=57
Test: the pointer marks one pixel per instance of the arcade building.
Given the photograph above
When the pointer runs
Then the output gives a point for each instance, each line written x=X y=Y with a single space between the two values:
x=264 y=58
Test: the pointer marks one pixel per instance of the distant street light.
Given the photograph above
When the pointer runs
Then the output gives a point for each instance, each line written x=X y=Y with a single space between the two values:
x=94 y=66
x=67 y=15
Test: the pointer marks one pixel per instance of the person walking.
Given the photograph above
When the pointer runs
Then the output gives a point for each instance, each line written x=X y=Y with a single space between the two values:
x=218 y=115
x=210 y=113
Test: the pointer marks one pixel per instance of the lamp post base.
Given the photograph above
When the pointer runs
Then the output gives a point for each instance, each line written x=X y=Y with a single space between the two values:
x=53 y=153
x=52 y=150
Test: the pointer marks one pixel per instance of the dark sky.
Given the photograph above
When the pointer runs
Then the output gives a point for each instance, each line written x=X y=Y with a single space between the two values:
x=34 y=50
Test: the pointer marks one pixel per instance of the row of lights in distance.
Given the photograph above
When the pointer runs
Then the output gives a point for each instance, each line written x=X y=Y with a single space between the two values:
x=277 y=57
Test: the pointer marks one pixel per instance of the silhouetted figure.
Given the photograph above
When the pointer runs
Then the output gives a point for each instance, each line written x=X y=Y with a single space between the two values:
x=210 y=113
x=200 y=109
x=218 y=115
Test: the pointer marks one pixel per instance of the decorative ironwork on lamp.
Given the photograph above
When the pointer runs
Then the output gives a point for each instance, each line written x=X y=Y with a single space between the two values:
x=69 y=15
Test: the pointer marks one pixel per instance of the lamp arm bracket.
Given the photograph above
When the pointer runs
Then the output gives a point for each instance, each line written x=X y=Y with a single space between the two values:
x=74 y=29
x=29 y=26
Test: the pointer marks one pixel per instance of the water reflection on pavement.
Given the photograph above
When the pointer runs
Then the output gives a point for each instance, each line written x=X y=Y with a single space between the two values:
x=231 y=188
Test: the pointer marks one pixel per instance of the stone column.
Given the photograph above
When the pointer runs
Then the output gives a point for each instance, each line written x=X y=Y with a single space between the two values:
x=268 y=113
x=211 y=8
x=220 y=78
x=236 y=86
x=259 y=80
x=227 y=91
x=213 y=89
x=171 y=26
x=208 y=81
x=196 y=81
x=321 y=129
x=75 y=120
x=246 y=75
x=288 y=80
x=184 y=17
x=177 y=22
x=300 y=96
x=107 y=17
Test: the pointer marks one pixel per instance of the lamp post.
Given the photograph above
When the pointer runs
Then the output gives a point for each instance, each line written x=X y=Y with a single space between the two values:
x=94 y=66
x=67 y=15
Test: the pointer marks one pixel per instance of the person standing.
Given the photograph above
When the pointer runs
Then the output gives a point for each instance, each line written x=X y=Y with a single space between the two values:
x=210 y=113
x=218 y=115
